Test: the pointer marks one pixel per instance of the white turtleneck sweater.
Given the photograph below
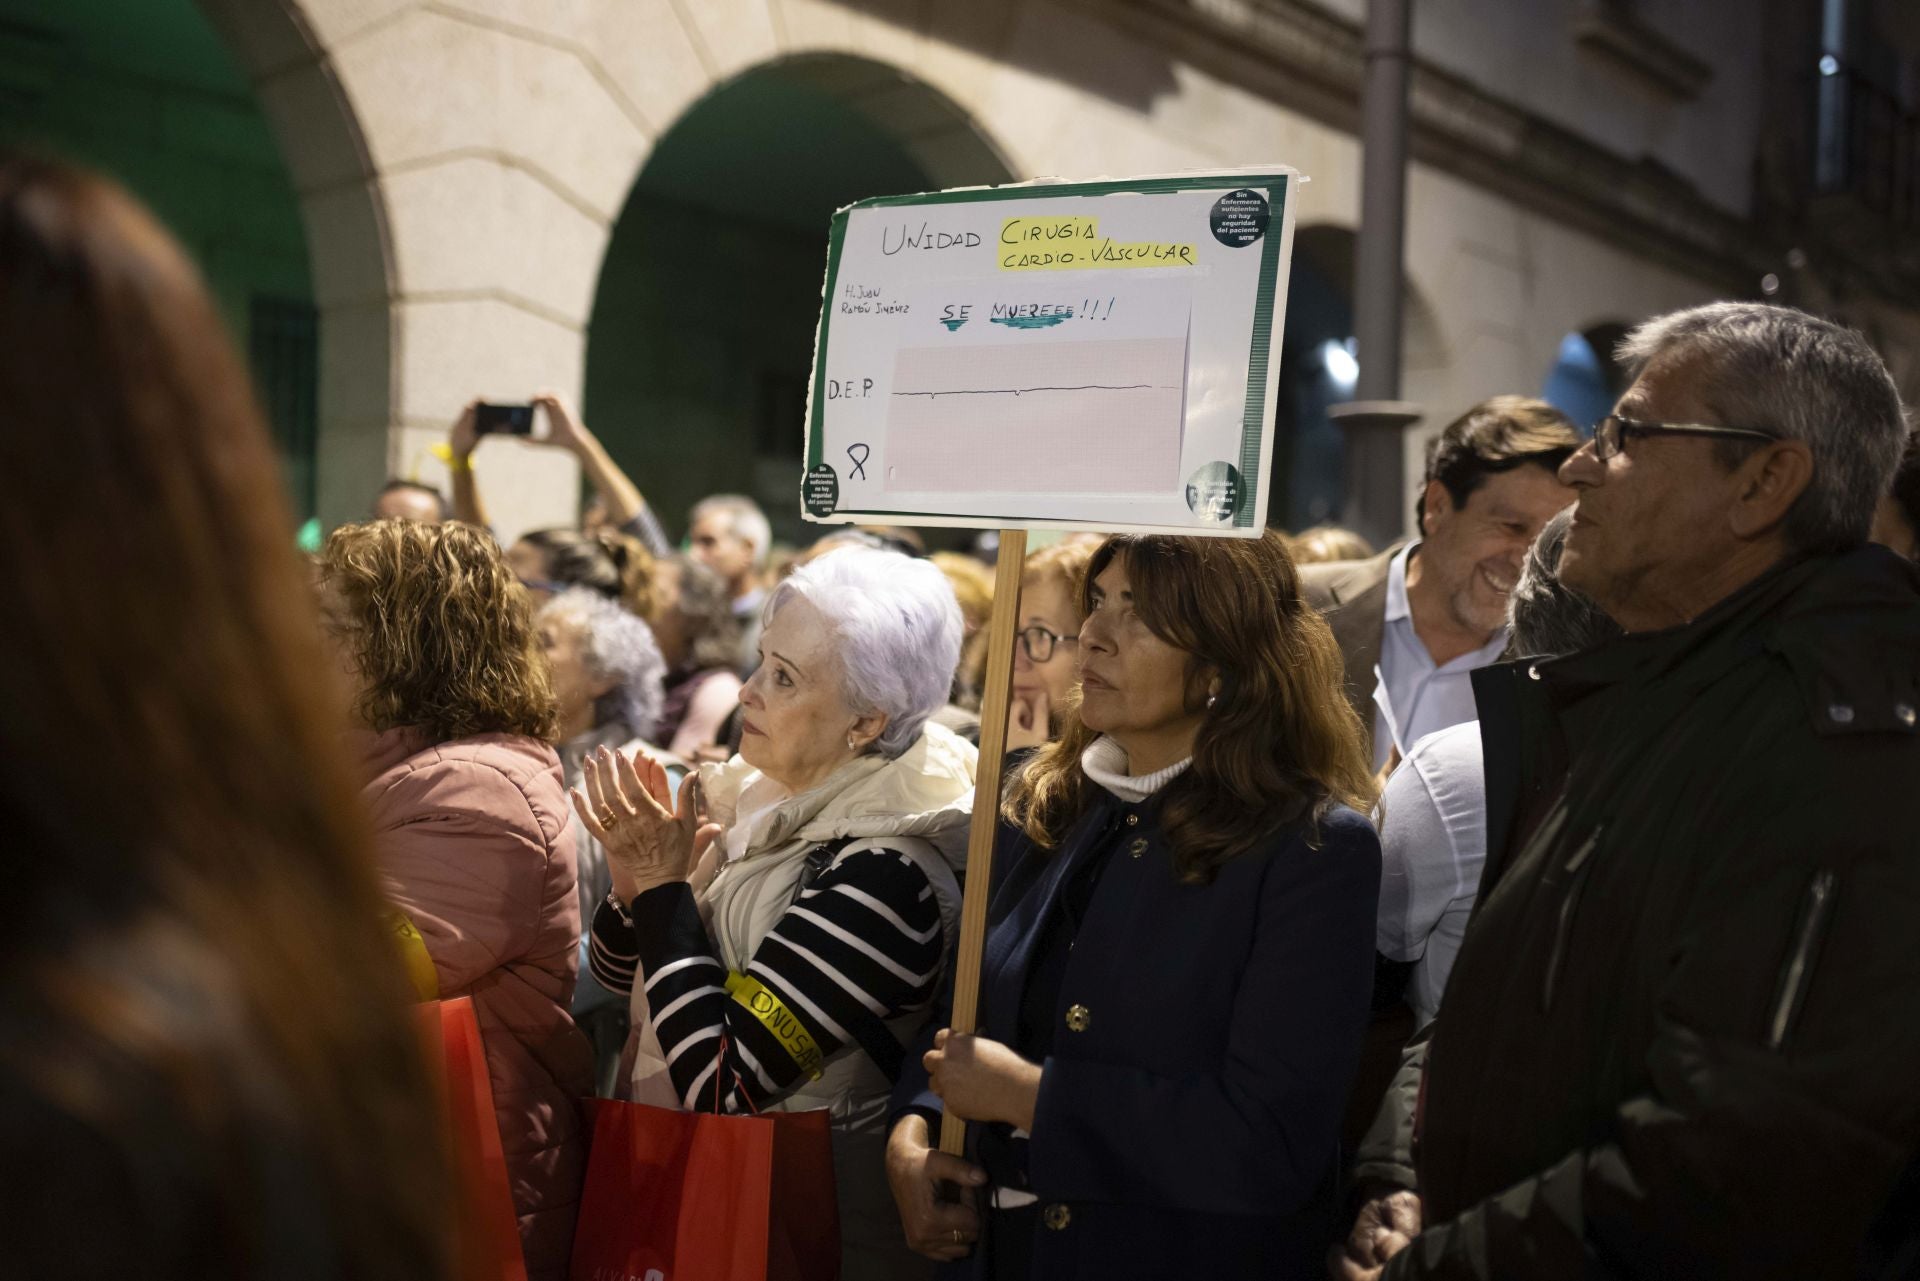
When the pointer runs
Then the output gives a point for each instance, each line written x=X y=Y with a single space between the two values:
x=1105 y=762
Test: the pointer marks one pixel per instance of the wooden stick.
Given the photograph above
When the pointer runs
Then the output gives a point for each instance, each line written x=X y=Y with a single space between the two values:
x=986 y=802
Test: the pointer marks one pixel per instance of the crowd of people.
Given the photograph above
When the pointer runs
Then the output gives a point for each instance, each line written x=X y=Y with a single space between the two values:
x=1534 y=897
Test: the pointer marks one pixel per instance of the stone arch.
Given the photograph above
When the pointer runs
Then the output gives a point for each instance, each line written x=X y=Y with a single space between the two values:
x=344 y=213
x=701 y=336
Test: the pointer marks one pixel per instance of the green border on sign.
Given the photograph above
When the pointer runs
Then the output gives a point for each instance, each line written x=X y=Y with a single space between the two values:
x=1276 y=189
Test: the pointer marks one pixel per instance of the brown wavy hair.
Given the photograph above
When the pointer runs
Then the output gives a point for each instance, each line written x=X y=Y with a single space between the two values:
x=196 y=977
x=440 y=632
x=612 y=563
x=1280 y=745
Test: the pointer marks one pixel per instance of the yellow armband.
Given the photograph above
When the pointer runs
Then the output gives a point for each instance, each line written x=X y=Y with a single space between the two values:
x=794 y=1038
x=414 y=956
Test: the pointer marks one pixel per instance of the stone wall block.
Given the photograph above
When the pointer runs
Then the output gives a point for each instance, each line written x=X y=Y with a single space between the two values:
x=356 y=363
x=733 y=34
x=889 y=31
x=426 y=85
x=350 y=467
x=814 y=25
x=646 y=50
x=476 y=224
x=308 y=112
x=565 y=121
x=339 y=22
x=346 y=246
x=454 y=350
x=264 y=35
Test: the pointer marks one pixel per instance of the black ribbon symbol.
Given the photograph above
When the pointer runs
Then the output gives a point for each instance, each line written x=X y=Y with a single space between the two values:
x=859 y=461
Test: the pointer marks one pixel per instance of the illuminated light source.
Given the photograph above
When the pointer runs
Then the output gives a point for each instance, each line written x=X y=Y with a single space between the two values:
x=1337 y=358
x=1829 y=65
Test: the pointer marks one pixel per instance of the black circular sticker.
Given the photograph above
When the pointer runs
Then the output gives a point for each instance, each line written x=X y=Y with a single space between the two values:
x=1213 y=492
x=1239 y=218
x=820 y=491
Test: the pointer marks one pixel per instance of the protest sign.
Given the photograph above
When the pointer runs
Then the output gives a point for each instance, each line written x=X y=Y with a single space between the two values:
x=1100 y=355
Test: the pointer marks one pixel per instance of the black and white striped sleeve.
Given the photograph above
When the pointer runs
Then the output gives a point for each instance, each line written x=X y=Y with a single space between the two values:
x=611 y=952
x=862 y=944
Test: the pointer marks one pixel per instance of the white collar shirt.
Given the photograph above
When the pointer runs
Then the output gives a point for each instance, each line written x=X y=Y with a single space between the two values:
x=1413 y=696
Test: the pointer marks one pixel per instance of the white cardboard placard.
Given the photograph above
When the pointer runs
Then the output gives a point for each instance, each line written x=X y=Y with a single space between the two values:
x=1099 y=355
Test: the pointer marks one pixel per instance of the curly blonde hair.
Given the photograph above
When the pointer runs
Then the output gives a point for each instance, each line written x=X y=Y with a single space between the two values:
x=440 y=632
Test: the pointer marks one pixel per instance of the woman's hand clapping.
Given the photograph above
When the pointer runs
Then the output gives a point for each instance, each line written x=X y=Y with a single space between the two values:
x=627 y=804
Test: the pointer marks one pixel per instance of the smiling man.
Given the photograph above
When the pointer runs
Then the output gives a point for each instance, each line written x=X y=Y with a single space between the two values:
x=1414 y=622
x=1676 y=1040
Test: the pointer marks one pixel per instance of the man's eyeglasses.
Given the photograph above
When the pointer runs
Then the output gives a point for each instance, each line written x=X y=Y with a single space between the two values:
x=1610 y=433
x=1039 y=642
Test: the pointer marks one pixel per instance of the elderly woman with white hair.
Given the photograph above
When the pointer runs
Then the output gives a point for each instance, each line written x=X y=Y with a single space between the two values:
x=608 y=675
x=788 y=925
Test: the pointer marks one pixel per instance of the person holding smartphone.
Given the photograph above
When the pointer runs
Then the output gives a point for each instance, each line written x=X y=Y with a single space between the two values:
x=617 y=502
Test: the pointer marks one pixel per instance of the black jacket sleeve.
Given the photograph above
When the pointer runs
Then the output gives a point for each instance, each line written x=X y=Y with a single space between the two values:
x=1386 y=1152
x=1763 y=1148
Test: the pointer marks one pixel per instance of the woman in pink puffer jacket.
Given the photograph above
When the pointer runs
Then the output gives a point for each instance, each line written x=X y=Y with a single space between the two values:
x=472 y=836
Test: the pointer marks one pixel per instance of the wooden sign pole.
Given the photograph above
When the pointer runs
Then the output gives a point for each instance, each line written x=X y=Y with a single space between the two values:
x=986 y=802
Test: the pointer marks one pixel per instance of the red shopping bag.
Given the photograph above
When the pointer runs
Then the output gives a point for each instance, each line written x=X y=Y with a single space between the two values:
x=487 y=1231
x=691 y=1196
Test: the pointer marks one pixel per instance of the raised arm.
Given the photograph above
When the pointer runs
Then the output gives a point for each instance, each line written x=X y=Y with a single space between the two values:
x=461 y=443
x=626 y=507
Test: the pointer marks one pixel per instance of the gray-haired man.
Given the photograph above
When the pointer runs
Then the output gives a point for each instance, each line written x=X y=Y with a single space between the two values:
x=1678 y=1040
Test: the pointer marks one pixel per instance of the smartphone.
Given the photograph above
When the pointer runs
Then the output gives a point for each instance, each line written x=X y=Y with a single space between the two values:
x=507 y=420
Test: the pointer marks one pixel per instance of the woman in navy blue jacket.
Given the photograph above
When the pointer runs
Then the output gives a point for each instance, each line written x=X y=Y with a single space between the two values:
x=1179 y=951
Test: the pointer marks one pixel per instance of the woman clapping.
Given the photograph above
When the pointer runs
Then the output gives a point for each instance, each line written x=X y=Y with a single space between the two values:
x=826 y=894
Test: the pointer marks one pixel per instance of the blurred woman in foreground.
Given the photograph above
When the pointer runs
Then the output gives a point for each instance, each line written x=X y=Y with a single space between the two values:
x=207 y=1064
x=1179 y=950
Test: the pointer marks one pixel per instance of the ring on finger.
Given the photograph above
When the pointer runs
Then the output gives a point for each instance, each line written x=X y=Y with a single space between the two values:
x=607 y=817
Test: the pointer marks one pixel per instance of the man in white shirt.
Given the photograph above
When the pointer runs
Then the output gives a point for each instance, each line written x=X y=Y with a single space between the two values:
x=1433 y=815
x=1414 y=622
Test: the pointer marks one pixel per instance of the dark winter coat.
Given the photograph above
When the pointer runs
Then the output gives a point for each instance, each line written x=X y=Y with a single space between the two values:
x=1204 y=1039
x=1679 y=1039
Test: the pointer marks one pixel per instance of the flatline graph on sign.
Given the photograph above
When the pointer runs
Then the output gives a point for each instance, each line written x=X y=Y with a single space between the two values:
x=1028 y=391
x=1108 y=412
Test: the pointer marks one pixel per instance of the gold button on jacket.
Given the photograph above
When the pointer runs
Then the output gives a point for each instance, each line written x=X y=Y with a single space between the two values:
x=1057 y=1216
x=1138 y=847
x=1078 y=1017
